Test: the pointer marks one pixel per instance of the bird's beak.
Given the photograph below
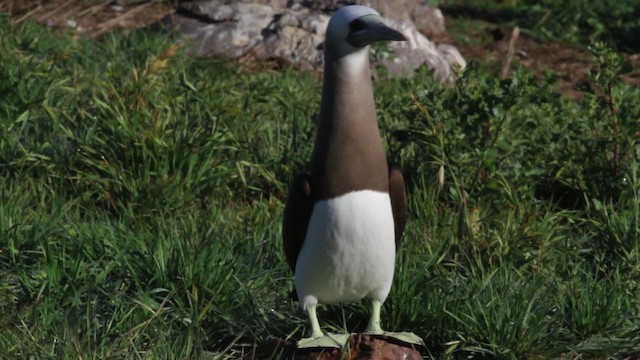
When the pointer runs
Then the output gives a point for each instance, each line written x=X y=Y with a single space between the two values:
x=369 y=29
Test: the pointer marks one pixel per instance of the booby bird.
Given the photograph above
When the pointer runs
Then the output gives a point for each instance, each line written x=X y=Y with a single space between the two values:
x=342 y=222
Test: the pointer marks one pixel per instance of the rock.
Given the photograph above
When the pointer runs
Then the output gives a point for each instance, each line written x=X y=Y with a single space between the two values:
x=426 y=18
x=360 y=347
x=296 y=37
x=219 y=29
x=418 y=50
x=293 y=31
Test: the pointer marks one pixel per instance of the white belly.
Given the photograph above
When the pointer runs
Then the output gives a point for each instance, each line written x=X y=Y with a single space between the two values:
x=349 y=250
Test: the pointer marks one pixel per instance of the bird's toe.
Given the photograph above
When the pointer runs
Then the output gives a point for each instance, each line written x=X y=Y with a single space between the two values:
x=324 y=341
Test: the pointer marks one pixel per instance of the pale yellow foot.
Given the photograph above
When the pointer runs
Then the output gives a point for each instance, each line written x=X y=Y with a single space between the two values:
x=325 y=341
x=374 y=328
x=405 y=337
x=318 y=339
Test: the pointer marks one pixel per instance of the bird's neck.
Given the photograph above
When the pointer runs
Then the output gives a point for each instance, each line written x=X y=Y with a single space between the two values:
x=347 y=92
x=348 y=147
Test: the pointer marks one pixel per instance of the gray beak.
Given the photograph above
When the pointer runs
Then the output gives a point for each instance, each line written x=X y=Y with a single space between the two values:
x=369 y=29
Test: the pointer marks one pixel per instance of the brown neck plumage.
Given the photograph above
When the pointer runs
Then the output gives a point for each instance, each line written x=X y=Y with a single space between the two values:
x=348 y=153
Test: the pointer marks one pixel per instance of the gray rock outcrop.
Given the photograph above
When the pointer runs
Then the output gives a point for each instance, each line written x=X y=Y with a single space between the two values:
x=293 y=31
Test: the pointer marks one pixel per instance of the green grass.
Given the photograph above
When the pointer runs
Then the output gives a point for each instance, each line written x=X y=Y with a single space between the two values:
x=141 y=194
x=570 y=21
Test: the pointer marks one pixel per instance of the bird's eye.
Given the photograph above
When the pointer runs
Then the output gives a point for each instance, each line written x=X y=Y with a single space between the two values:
x=357 y=25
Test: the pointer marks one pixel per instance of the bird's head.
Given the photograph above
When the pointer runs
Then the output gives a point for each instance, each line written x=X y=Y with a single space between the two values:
x=353 y=27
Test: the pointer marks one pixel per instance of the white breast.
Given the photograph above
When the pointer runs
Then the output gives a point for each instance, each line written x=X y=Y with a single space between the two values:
x=349 y=250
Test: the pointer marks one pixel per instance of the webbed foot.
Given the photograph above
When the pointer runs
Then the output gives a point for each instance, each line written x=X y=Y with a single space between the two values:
x=324 y=341
x=374 y=328
x=404 y=337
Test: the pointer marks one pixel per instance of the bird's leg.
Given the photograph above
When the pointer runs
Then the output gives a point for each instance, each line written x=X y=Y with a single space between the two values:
x=318 y=339
x=374 y=327
x=315 y=325
x=374 y=321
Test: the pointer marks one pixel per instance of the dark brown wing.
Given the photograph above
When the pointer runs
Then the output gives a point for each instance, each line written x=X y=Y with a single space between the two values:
x=297 y=212
x=398 y=201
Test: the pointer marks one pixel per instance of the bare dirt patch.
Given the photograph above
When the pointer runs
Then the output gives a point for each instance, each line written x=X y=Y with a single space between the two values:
x=488 y=44
x=87 y=18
